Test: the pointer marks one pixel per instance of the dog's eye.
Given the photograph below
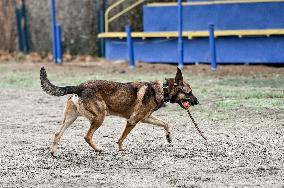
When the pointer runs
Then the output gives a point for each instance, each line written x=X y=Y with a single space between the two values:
x=186 y=89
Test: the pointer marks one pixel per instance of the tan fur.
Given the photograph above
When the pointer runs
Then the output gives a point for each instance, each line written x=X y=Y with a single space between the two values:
x=96 y=110
x=135 y=101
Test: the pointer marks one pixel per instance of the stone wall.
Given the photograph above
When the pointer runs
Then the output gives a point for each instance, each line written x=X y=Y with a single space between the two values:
x=78 y=19
x=8 y=28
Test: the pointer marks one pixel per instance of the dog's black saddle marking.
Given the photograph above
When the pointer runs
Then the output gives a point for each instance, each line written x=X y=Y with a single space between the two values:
x=166 y=91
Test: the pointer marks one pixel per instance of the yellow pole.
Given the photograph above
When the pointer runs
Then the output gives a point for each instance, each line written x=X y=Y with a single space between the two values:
x=108 y=11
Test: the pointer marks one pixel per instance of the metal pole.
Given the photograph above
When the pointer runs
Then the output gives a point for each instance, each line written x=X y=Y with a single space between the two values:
x=100 y=25
x=58 y=45
x=180 y=38
x=130 y=48
x=22 y=34
x=102 y=41
x=212 y=47
x=98 y=7
x=102 y=12
x=18 y=16
x=53 y=18
x=24 y=28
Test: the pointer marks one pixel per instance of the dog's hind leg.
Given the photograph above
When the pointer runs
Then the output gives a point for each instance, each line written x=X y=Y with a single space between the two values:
x=95 y=124
x=95 y=112
x=156 y=121
x=128 y=127
x=70 y=115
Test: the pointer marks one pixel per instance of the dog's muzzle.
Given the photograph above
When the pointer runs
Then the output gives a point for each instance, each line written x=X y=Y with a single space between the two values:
x=188 y=102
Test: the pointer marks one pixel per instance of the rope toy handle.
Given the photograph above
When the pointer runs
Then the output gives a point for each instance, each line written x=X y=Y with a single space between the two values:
x=196 y=126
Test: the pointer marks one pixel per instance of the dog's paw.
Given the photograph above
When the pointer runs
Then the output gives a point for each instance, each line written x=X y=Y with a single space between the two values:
x=99 y=150
x=53 y=154
x=120 y=148
x=169 y=138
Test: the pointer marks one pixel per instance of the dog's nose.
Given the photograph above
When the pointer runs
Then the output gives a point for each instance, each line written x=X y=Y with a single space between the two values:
x=196 y=101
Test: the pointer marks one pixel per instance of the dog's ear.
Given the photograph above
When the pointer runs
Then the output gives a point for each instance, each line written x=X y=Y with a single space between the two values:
x=178 y=78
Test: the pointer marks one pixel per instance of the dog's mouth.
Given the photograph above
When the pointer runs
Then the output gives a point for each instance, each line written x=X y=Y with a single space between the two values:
x=184 y=103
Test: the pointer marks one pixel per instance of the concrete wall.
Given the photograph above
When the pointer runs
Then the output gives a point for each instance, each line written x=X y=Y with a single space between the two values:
x=8 y=29
x=78 y=19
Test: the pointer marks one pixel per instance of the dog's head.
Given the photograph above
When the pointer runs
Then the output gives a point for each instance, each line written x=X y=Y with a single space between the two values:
x=180 y=91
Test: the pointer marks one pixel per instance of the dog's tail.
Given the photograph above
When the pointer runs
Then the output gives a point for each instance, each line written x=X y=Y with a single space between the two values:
x=55 y=90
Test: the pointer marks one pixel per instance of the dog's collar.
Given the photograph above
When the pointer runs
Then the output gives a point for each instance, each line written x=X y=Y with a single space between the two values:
x=166 y=91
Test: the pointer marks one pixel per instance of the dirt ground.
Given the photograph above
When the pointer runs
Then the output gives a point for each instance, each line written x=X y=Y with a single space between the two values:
x=245 y=143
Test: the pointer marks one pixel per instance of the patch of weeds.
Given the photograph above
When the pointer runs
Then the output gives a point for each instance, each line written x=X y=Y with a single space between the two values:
x=272 y=82
x=18 y=80
x=266 y=94
x=254 y=103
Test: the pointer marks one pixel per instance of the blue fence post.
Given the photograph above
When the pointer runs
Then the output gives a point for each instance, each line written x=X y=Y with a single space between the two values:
x=53 y=18
x=19 y=17
x=100 y=8
x=22 y=34
x=102 y=12
x=24 y=28
x=212 y=47
x=102 y=25
x=130 y=48
x=180 y=37
x=58 y=44
x=21 y=21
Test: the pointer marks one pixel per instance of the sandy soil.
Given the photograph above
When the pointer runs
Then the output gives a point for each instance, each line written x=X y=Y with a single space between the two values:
x=244 y=150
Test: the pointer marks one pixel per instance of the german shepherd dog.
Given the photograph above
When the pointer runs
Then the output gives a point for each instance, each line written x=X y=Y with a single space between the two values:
x=135 y=101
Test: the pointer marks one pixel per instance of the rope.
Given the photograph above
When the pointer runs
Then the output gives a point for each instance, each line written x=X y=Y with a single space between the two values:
x=196 y=126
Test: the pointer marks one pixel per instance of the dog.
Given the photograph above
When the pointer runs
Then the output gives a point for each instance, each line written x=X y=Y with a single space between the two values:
x=135 y=101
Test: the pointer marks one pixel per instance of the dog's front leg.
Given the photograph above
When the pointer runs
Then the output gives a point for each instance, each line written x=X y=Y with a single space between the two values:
x=139 y=113
x=156 y=121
